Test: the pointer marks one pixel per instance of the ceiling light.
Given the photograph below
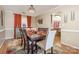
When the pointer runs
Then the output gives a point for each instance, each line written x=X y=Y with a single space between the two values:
x=31 y=9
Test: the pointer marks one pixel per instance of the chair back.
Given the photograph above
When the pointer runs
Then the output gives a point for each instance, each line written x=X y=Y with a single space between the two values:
x=21 y=33
x=26 y=41
x=50 y=39
x=25 y=37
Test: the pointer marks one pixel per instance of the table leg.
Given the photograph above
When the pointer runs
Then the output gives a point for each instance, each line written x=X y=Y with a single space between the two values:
x=32 y=48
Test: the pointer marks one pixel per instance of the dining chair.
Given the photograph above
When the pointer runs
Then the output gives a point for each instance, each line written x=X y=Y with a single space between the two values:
x=26 y=42
x=21 y=35
x=48 y=42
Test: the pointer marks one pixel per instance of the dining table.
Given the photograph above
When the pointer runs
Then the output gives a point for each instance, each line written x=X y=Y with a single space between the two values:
x=34 y=38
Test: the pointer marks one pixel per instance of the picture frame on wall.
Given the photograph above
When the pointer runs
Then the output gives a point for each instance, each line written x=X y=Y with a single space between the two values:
x=40 y=21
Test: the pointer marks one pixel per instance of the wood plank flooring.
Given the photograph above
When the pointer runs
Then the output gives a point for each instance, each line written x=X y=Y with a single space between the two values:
x=58 y=46
x=63 y=49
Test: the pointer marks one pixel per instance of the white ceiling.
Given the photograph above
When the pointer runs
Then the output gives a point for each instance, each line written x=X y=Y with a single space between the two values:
x=22 y=9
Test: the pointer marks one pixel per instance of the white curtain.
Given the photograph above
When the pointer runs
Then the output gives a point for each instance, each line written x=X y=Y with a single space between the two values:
x=24 y=21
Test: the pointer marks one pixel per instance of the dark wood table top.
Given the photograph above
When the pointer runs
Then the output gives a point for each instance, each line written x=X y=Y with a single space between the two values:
x=36 y=36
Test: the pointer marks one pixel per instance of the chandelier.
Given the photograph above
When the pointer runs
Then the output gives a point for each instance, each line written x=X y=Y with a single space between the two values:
x=31 y=9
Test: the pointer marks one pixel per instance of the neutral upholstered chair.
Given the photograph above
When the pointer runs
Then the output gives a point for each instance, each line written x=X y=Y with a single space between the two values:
x=48 y=42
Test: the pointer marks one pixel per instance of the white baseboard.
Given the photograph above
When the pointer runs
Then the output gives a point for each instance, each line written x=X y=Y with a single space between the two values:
x=70 y=45
x=69 y=30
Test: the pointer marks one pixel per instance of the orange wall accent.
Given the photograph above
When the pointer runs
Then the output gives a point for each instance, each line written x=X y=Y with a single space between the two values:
x=17 y=23
x=29 y=21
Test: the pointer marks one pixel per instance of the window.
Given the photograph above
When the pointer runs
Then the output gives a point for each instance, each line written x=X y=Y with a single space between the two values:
x=24 y=21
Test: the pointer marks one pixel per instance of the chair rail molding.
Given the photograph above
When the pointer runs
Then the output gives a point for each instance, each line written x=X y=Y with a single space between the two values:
x=1 y=30
x=69 y=30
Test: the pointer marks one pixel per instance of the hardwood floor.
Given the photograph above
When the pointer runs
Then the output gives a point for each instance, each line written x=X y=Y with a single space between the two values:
x=63 y=49
x=7 y=44
x=58 y=48
x=69 y=50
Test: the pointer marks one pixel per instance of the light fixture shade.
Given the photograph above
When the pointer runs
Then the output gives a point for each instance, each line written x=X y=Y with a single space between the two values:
x=31 y=9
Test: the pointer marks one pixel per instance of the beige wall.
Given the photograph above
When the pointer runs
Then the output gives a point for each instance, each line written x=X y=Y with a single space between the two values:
x=46 y=20
x=70 y=38
x=70 y=29
x=9 y=24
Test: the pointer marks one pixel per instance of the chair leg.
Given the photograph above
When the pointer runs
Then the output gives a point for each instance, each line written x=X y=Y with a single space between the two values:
x=32 y=48
x=44 y=52
x=21 y=42
x=28 y=51
x=36 y=48
x=24 y=45
x=51 y=50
